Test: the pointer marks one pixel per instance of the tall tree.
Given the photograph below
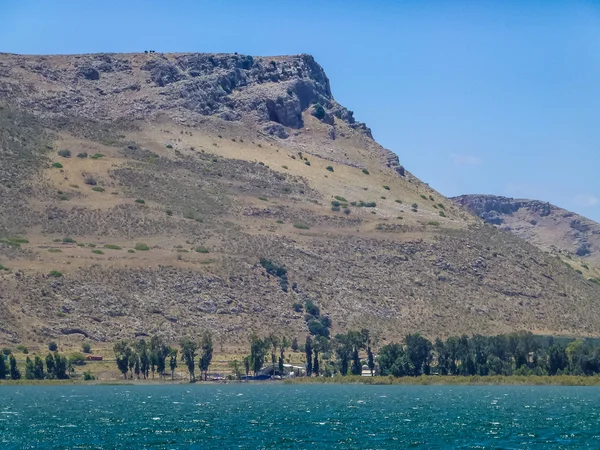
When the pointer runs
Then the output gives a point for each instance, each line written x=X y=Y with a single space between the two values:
x=273 y=340
x=343 y=349
x=38 y=368
x=309 y=351
x=236 y=368
x=61 y=366
x=122 y=355
x=258 y=351
x=50 y=365
x=206 y=346
x=172 y=361
x=356 y=368
x=283 y=344
x=247 y=365
x=143 y=353
x=188 y=355
x=370 y=360
x=294 y=345
x=419 y=352
x=3 y=368
x=15 y=374
x=29 y=369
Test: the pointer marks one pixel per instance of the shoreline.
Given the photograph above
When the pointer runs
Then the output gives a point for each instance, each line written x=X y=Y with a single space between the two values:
x=424 y=380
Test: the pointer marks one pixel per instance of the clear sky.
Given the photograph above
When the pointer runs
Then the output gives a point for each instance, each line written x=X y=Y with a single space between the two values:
x=499 y=97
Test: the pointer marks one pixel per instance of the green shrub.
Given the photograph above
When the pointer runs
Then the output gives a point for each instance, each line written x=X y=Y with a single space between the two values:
x=433 y=223
x=64 y=153
x=92 y=245
x=54 y=250
x=264 y=199
x=182 y=250
x=169 y=146
x=97 y=189
x=98 y=252
x=298 y=307
x=387 y=188
x=414 y=206
x=398 y=201
x=68 y=240
x=141 y=247
x=6 y=351
x=140 y=201
x=365 y=171
x=82 y=155
x=130 y=251
x=168 y=212
x=4 y=268
x=399 y=217
x=431 y=198
x=53 y=346
x=346 y=211
x=335 y=203
x=284 y=167
x=307 y=162
x=329 y=168
x=55 y=274
x=301 y=226
x=341 y=199
x=383 y=197
x=87 y=376
x=81 y=244
x=202 y=250
x=112 y=247
x=423 y=197
x=77 y=359
x=335 y=208
x=57 y=165
x=279 y=221
x=97 y=156
x=319 y=112
x=86 y=347
x=442 y=214
x=21 y=348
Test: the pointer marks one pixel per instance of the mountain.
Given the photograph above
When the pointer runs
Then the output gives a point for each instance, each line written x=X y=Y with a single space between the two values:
x=172 y=193
x=549 y=227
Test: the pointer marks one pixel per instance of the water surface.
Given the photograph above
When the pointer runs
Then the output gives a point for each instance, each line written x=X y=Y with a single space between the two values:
x=299 y=416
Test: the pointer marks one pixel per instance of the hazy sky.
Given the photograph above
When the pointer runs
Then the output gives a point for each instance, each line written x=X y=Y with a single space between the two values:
x=496 y=97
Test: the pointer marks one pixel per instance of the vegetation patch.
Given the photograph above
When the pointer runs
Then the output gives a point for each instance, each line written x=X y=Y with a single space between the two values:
x=202 y=250
x=365 y=171
x=98 y=189
x=301 y=226
x=329 y=168
x=97 y=156
x=433 y=223
x=140 y=201
x=64 y=153
x=277 y=271
x=340 y=198
x=141 y=247
x=387 y=188
x=113 y=247
x=57 y=165
x=55 y=274
x=98 y=252
x=54 y=250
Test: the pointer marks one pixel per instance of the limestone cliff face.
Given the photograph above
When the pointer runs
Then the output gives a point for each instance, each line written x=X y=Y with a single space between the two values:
x=233 y=87
x=546 y=225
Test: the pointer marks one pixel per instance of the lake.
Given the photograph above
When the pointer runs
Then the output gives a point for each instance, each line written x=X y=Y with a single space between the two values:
x=299 y=416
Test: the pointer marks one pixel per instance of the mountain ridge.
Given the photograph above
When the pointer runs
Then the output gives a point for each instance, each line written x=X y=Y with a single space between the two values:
x=140 y=193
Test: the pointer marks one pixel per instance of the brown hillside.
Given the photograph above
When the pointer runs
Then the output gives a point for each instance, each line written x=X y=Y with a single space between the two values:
x=216 y=161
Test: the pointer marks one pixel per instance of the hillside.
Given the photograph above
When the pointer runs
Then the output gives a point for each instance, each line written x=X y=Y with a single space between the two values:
x=139 y=192
x=553 y=229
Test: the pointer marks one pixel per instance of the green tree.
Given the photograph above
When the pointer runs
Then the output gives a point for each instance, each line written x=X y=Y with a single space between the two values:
x=283 y=344
x=370 y=360
x=123 y=354
x=247 y=365
x=50 y=366
x=29 y=369
x=356 y=368
x=86 y=347
x=273 y=340
x=393 y=360
x=15 y=374
x=38 y=368
x=158 y=350
x=143 y=358
x=3 y=368
x=61 y=366
x=258 y=351
x=188 y=355
x=343 y=347
x=206 y=346
x=52 y=346
x=294 y=345
x=172 y=361
x=557 y=359
x=236 y=369
x=419 y=352
x=308 y=349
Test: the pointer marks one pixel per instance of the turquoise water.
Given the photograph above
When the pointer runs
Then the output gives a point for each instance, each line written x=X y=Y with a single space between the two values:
x=298 y=416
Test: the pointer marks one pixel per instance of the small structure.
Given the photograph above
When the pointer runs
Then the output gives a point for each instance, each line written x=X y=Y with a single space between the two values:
x=366 y=372
x=93 y=358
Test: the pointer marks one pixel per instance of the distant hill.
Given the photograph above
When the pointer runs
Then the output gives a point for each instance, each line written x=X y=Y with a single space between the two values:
x=547 y=226
x=173 y=193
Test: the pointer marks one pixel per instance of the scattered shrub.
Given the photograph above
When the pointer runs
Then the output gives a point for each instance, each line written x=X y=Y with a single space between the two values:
x=307 y=163
x=329 y=168
x=82 y=155
x=284 y=167
x=279 y=221
x=97 y=156
x=346 y=211
x=431 y=198
x=365 y=171
x=398 y=201
x=112 y=247
x=57 y=165
x=86 y=347
x=168 y=212
x=53 y=346
x=298 y=307
x=264 y=199
x=90 y=181
x=21 y=348
x=301 y=226
x=98 y=252
x=54 y=250
x=55 y=274
x=441 y=206
x=423 y=197
x=77 y=359
x=169 y=146
x=339 y=198
x=87 y=376
x=202 y=250
x=319 y=112
x=141 y=247
x=140 y=201
x=64 y=153
x=130 y=251
x=335 y=208
x=442 y=214
x=433 y=223
x=98 y=189
x=68 y=240
x=387 y=188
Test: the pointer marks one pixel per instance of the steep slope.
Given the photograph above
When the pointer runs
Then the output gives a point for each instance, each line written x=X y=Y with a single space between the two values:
x=139 y=193
x=549 y=227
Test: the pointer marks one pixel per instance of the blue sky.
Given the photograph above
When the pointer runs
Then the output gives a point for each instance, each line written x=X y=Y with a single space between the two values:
x=474 y=97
